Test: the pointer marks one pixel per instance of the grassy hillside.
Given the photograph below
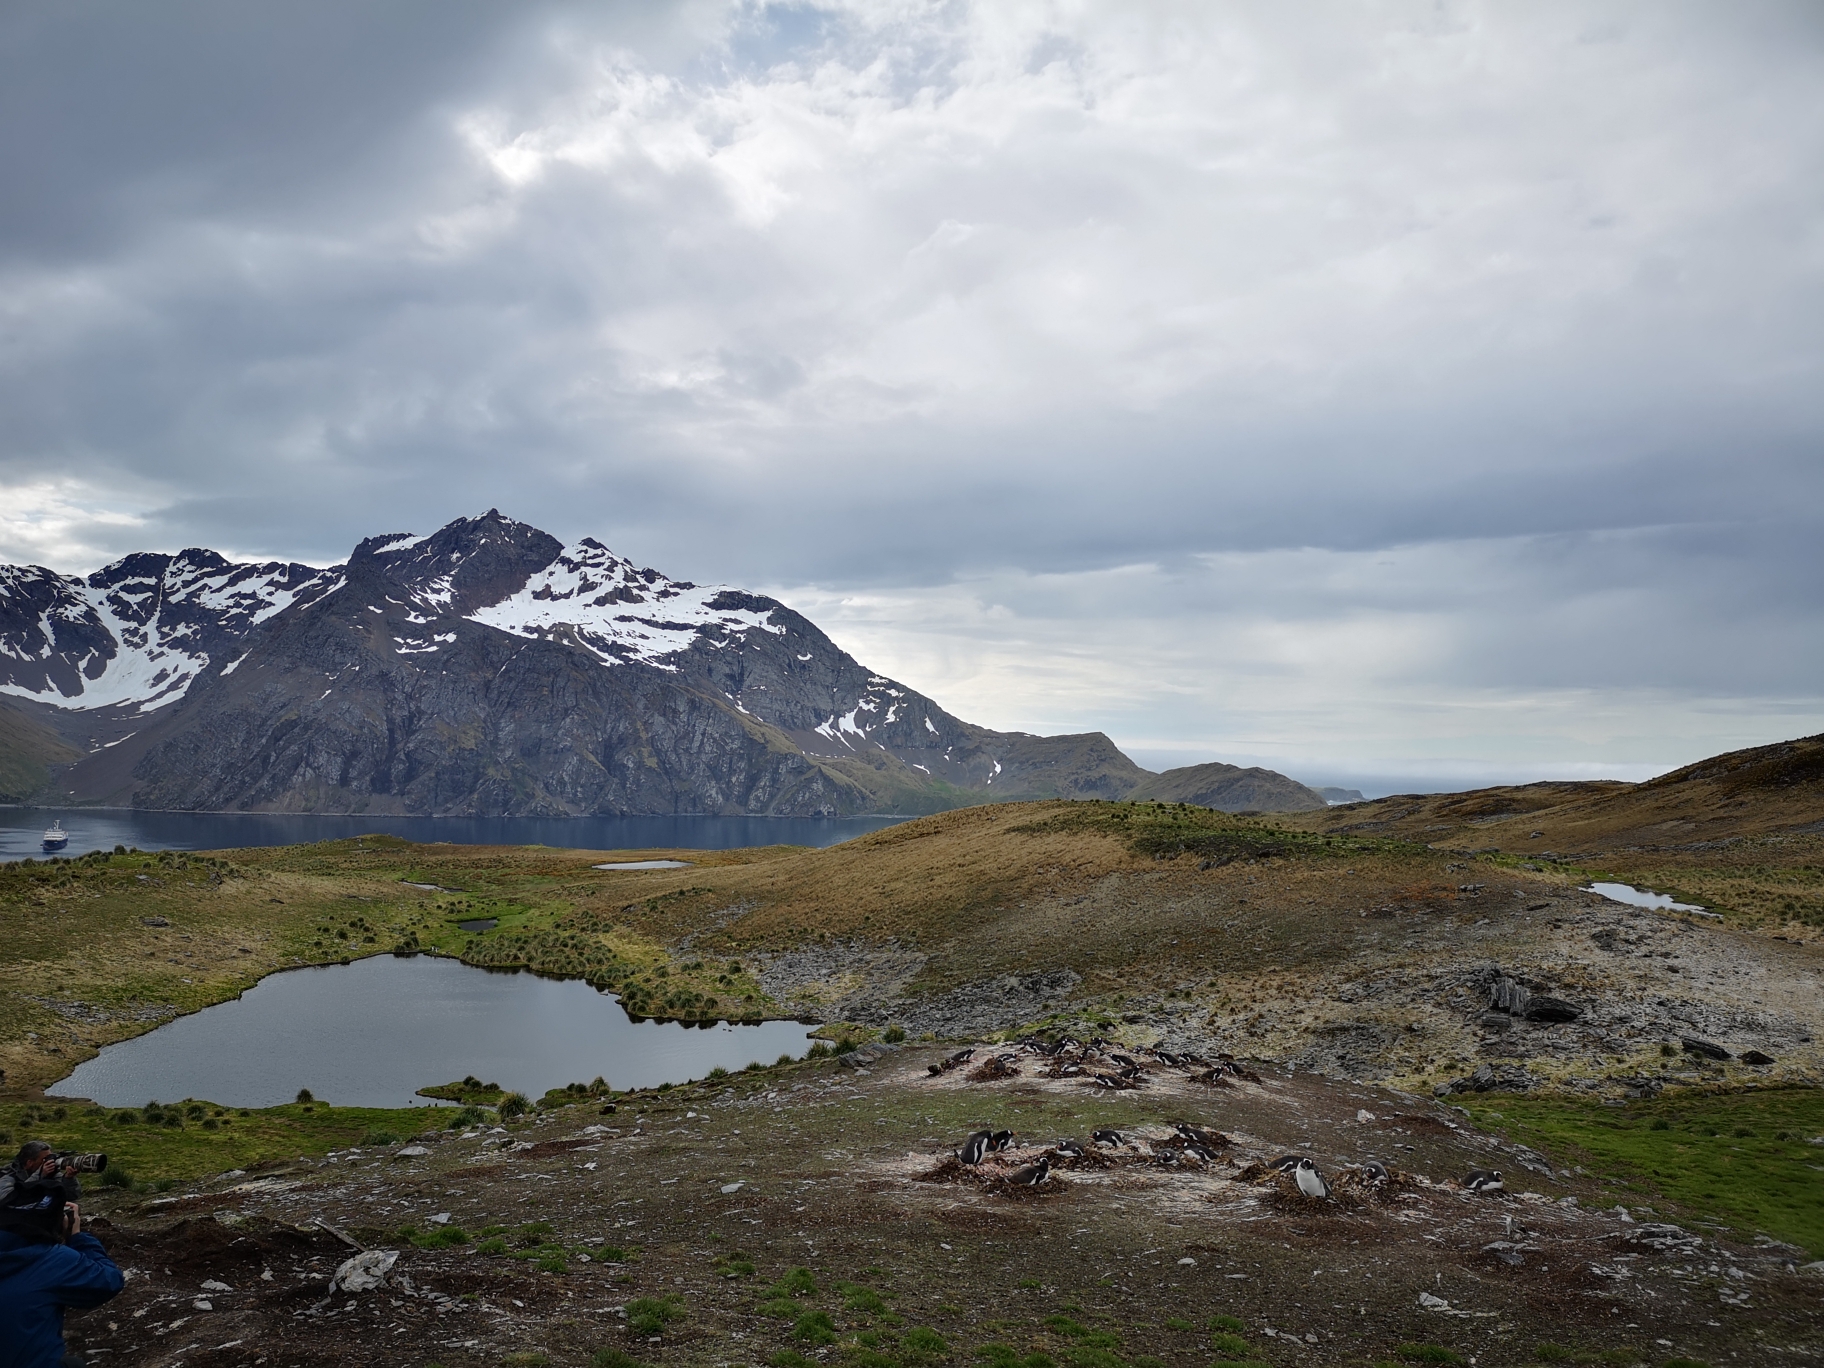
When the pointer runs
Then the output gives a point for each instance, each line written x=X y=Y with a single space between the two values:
x=1346 y=952
x=27 y=747
x=1741 y=834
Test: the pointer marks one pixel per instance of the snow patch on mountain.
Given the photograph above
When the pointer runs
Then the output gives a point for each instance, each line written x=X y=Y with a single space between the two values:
x=591 y=598
x=135 y=631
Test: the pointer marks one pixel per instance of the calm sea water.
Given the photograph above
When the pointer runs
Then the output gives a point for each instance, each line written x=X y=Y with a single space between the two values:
x=95 y=829
x=369 y=1034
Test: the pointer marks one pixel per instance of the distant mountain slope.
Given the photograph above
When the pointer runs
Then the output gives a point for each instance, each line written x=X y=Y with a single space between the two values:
x=1230 y=788
x=28 y=747
x=1761 y=791
x=485 y=668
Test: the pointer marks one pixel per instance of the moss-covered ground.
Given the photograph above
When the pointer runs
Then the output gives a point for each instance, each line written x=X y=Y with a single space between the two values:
x=1750 y=1161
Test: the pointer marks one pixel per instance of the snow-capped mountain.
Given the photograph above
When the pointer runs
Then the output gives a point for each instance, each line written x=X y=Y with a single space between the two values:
x=488 y=668
x=138 y=632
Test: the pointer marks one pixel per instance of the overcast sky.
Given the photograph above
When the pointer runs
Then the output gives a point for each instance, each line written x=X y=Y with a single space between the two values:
x=1418 y=394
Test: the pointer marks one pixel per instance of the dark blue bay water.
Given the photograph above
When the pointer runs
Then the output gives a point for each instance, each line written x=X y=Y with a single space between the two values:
x=103 y=829
x=369 y=1034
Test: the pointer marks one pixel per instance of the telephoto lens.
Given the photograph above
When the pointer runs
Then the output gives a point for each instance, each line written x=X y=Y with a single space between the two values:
x=84 y=1163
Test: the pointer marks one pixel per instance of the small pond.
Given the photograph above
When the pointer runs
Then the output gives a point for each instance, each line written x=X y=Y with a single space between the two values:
x=1635 y=897
x=370 y=1033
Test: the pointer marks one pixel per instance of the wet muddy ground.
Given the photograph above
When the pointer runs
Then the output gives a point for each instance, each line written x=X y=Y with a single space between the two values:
x=668 y=1230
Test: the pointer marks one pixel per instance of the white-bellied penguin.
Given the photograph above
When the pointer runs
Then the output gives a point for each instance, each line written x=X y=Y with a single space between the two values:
x=1032 y=1175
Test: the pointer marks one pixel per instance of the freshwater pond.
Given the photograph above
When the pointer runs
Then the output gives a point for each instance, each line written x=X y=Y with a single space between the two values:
x=370 y=1033
x=1636 y=897
x=105 y=828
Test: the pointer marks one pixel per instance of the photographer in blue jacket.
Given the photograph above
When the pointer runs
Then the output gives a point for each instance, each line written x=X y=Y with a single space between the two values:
x=47 y=1264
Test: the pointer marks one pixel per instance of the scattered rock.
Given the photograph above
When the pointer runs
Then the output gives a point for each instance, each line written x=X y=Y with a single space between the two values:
x=1707 y=1049
x=1663 y=1238
x=412 y=1152
x=1551 y=1009
x=365 y=1271
x=1489 y=1078
x=1504 y=1251
x=1756 y=1058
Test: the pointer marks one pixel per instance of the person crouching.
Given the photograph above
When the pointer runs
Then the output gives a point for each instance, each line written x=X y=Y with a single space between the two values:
x=47 y=1264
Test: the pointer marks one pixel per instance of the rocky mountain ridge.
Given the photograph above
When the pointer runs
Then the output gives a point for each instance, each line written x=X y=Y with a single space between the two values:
x=488 y=668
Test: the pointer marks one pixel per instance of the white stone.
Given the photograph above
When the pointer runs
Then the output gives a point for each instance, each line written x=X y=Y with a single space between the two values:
x=211 y=1285
x=413 y=1152
x=365 y=1271
x=731 y=1187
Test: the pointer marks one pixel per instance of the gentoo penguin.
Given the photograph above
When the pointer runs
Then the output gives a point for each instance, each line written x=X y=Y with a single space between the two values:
x=1484 y=1180
x=1032 y=1175
x=1197 y=1135
x=1108 y=1137
x=1376 y=1171
x=974 y=1148
x=1310 y=1181
x=1287 y=1162
x=1125 y=1061
x=1069 y=1148
x=1000 y=1140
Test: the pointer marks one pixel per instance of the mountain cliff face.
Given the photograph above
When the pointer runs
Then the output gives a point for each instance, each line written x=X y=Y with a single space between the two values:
x=485 y=669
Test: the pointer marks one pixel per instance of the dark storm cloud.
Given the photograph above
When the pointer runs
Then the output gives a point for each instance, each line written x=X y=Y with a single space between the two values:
x=1471 y=352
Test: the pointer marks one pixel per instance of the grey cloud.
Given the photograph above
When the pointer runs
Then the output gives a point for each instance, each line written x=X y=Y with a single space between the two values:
x=836 y=296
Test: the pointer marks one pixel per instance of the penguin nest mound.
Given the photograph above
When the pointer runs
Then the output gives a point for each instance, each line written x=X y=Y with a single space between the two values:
x=1358 y=1182
x=1257 y=1173
x=990 y=1070
x=1283 y=1195
x=952 y=1170
x=1021 y=1192
x=997 y=1180
x=1089 y=1159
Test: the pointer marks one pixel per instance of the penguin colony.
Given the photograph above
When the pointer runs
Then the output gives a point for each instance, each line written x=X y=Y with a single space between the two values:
x=1098 y=1064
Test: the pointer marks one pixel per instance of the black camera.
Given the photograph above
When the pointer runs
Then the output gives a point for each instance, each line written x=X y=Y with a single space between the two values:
x=81 y=1163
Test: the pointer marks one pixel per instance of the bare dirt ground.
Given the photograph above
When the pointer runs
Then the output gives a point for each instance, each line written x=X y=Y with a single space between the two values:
x=700 y=1200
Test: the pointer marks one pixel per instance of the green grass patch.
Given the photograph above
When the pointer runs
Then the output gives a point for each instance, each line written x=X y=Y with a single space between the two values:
x=171 y=1142
x=796 y=1282
x=1005 y=1356
x=1428 y=1353
x=1696 y=1162
x=815 y=1327
x=649 y=1316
